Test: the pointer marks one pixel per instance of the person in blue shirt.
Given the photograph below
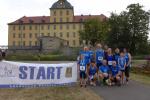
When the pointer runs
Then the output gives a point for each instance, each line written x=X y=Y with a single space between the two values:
x=128 y=64
x=82 y=70
x=109 y=57
x=116 y=55
x=104 y=72
x=122 y=65
x=92 y=73
x=86 y=55
x=99 y=55
x=115 y=74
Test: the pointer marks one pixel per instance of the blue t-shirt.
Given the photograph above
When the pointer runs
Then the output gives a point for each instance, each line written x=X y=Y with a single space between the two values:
x=92 y=70
x=127 y=57
x=104 y=69
x=82 y=65
x=110 y=59
x=115 y=70
x=99 y=56
x=91 y=55
x=121 y=63
x=86 y=56
x=116 y=56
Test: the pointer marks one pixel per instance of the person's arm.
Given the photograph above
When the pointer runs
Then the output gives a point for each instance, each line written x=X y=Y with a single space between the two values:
x=130 y=58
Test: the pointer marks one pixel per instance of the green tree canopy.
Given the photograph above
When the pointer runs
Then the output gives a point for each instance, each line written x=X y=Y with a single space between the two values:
x=94 y=31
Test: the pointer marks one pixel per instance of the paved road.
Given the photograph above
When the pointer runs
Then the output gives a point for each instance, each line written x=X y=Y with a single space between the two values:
x=132 y=91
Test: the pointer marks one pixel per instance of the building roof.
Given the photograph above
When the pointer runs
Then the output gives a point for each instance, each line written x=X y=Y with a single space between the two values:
x=62 y=4
x=46 y=19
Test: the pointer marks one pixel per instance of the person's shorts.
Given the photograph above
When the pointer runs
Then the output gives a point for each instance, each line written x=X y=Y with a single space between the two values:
x=122 y=70
x=82 y=74
x=127 y=71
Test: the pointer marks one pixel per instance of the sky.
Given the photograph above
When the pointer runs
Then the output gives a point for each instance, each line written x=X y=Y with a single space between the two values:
x=11 y=10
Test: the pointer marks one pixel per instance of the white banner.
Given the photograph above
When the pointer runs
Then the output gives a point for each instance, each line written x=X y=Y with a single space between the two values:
x=15 y=74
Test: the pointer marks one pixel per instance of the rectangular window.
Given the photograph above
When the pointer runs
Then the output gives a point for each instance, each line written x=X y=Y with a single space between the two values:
x=19 y=28
x=74 y=42
x=60 y=19
x=14 y=35
x=36 y=35
x=67 y=19
x=36 y=44
x=14 y=43
x=61 y=35
x=61 y=13
x=67 y=13
x=54 y=27
x=54 y=13
x=30 y=27
x=48 y=34
x=30 y=43
x=61 y=27
x=24 y=35
x=24 y=28
x=48 y=27
x=24 y=43
x=19 y=43
x=54 y=19
x=14 y=28
x=36 y=27
x=19 y=35
x=30 y=35
x=54 y=34
x=74 y=34
x=67 y=26
x=42 y=27
x=74 y=26
x=67 y=34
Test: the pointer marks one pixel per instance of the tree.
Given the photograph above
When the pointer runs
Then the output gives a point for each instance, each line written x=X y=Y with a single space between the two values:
x=138 y=21
x=94 y=31
x=130 y=29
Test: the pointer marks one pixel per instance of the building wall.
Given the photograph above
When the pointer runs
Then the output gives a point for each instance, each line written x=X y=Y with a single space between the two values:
x=61 y=25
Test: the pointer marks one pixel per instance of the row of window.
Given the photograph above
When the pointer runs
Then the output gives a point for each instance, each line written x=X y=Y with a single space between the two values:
x=43 y=27
x=61 y=13
x=30 y=35
x=31 y=43
x=61 y=20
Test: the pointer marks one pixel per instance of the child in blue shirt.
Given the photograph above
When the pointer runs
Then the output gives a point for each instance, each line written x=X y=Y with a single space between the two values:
x=122 y=65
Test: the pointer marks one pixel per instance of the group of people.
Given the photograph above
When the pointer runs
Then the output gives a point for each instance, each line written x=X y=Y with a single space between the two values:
x=104 y=66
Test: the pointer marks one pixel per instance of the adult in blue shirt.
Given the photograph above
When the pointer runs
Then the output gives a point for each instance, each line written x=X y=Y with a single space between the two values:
x=116 y=55
x=86 y=55
x=115 y=74
x=99 y=55
x=104 y=72
x=128 y=64
x=109 y=57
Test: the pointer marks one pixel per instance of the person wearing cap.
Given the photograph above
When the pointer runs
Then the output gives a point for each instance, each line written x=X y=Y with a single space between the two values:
x=99 y=55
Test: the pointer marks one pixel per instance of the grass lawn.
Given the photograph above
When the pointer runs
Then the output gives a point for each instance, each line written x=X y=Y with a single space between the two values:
x=50 y=93
x=141 y=78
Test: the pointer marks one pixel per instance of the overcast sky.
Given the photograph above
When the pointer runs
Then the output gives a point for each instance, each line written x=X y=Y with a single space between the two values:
x=11 y=10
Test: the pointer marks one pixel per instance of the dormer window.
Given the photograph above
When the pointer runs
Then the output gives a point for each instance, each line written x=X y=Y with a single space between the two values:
x=43 y=21
x=31 y=21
